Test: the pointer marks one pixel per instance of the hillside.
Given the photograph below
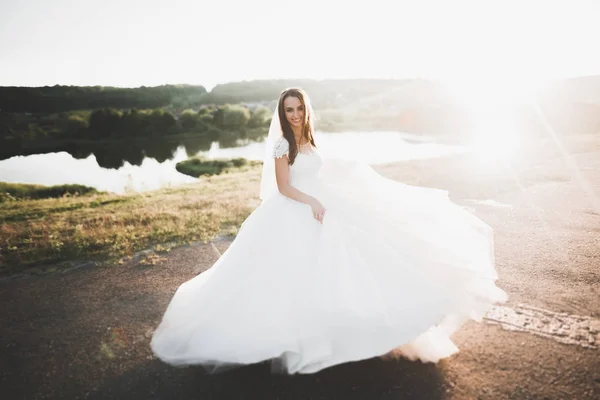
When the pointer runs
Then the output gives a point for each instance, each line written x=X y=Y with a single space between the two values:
x=410 y=105
x=53 y=99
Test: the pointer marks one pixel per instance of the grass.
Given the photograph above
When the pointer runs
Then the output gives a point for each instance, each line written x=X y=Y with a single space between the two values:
x=12 y=191
x=36 y=232
x=198 y=166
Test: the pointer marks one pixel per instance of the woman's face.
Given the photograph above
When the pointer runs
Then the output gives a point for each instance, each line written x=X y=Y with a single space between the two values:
x=294 y=111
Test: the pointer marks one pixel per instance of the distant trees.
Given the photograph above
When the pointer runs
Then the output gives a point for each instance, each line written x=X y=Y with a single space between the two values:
x=242 y=110
x=54 y=99
x=105 y=122
x=231 y=117
x=330 y=93
x=111 y=123
x=226 y=123
x=260 y=117
x=163 y=123
x=192 y=121
x=75 y=126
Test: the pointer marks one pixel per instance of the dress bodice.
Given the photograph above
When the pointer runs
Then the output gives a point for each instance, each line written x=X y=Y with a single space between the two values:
x=304 y=173
x=305 y=170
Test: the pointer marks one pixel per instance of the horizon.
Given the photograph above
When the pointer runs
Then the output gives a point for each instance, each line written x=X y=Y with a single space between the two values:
x=209 y=89
x=135 y=43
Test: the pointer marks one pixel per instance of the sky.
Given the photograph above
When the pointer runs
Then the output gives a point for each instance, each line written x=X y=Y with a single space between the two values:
x=131 y=43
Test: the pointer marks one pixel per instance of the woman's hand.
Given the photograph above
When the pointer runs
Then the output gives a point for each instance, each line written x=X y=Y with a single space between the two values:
x=318 y=210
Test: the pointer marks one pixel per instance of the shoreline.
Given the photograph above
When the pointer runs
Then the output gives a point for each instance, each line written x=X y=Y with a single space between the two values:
x=150 y=166
x=51 y=231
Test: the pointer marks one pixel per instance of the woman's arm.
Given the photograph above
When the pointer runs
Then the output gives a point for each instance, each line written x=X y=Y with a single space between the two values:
x=282 y=174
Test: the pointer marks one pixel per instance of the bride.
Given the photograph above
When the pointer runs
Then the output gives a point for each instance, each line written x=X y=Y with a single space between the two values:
x=337 y=264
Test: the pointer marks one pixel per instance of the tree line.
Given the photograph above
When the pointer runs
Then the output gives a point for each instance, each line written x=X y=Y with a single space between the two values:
x=55 y=99
x=224 y=123
x=240 y=110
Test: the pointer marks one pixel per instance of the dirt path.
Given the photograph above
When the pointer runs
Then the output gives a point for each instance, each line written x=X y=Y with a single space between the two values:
x=85 y=333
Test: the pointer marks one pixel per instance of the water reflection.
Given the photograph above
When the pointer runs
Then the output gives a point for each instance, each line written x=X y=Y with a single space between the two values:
x=123 y=166
x=115 y=166
x=367 y=147
x=62 y=167
x=114 y=154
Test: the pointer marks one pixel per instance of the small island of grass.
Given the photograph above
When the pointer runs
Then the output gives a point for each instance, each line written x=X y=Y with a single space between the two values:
x=199 y=166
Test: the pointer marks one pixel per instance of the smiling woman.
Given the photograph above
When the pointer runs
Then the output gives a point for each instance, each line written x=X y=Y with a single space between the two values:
x=328 y=268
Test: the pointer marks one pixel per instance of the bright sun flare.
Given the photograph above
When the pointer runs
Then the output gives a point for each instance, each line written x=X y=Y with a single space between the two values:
x=491 y=105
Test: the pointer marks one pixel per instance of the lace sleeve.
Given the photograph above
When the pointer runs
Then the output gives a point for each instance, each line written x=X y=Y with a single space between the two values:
x=281 y=148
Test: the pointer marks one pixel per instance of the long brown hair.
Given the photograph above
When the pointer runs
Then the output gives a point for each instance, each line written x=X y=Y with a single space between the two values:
x=307 y=125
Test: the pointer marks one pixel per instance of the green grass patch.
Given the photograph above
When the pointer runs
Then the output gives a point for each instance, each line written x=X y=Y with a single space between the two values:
x=14 y=191
x=198 y=166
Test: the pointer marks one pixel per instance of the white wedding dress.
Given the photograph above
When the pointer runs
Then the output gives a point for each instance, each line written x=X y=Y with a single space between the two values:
x=392 y=268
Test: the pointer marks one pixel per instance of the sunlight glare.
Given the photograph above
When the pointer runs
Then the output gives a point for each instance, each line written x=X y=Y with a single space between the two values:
x=491 y=105
x=495 y=145
x=476 y=92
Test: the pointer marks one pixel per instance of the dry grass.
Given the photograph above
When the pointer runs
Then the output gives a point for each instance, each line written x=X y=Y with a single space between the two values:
x=34 y=232
x=45 y=231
